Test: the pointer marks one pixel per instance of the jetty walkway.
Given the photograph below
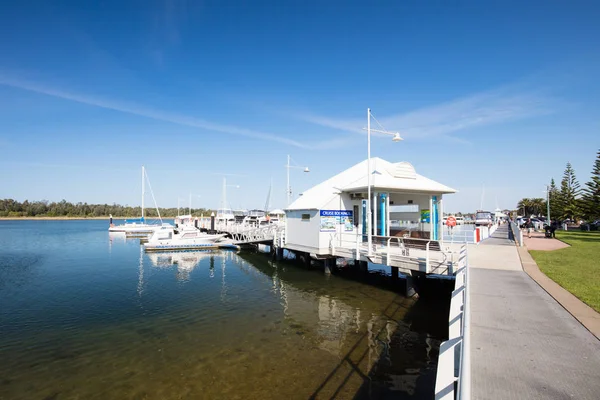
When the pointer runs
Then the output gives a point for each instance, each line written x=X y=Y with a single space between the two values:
x=524 y=344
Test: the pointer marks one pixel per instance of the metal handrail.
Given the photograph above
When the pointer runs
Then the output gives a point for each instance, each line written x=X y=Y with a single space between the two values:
x=454 y=363
x=464 y=375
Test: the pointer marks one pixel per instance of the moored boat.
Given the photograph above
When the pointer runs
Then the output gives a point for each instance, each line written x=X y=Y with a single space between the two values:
x=184 y=238
x=138 y=226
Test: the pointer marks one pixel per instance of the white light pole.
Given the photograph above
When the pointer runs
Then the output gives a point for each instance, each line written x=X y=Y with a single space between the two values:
x=548 y=203
x=178 y=200
x=225 y=185
x=288 y=166
x=190 y=205
x=396 y=138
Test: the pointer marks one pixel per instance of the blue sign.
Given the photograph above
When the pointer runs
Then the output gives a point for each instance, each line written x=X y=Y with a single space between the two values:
x=331 y=219
x=336 y=213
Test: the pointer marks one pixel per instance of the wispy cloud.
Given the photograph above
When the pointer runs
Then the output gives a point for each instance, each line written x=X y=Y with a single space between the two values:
x=147 y=112
x=119 y=168
x=442 y=120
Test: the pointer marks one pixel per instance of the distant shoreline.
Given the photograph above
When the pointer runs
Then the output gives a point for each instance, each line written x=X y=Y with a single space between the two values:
x=67 y=218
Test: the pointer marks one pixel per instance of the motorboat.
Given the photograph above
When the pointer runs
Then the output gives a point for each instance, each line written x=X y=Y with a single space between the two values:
x=254 y=217
x=183 y=238
x=185 y=221
x=225 y=216
x=240 y=215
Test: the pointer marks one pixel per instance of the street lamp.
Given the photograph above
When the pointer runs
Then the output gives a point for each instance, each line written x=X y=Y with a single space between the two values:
x=225 y=185
x=548 y=204
x=190 y=205
x=288 y=166
x=178 y=200
x=395 y=138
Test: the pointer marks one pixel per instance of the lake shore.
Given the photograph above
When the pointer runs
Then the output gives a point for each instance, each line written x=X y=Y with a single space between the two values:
x=57 y=218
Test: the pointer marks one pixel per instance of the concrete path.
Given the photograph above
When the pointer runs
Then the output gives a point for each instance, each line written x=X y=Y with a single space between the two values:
x=539 y=242
x=524 y=344
x=500 y=237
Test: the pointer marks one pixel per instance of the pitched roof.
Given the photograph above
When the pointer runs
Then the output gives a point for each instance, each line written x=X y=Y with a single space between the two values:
x=385 y=176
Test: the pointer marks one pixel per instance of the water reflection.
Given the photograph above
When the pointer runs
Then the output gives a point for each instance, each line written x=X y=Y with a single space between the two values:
x=185 y=262
x=115 y=237
x=238 y=315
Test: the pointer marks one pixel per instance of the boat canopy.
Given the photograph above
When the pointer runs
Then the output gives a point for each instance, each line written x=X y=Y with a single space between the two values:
x=136 y=220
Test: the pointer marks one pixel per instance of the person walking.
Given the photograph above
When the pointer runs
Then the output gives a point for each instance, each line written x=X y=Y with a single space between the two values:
x=529 y=228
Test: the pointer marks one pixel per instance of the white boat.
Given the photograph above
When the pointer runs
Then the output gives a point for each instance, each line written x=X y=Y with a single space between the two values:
x=240 y=215
x=183 y=238
x=254 y=218
x=225 y=216
x=185 y=221
x=138 y=226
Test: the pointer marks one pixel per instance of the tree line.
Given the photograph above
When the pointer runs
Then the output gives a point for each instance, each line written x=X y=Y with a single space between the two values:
x=570 y=201
x=44 y=208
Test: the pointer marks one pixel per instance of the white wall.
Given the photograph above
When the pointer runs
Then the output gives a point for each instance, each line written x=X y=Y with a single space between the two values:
x=302 y=233
x=307 y=235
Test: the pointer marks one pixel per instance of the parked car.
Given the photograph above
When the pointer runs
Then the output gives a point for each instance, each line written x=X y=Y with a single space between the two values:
x=590 y=226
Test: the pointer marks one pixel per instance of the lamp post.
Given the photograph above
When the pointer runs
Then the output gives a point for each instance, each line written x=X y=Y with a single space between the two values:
x=548 y=203
x=225 y=185
x=190 y=205
x=288 y=166
x=396 y=138
x=178 y=200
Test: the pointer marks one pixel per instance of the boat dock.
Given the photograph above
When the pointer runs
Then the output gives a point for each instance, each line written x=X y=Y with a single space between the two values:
x=508 y=338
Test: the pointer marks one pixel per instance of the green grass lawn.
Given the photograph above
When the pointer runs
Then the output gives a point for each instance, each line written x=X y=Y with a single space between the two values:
x=576 y=268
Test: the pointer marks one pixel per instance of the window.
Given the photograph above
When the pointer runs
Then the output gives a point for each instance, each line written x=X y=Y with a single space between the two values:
x=305 y=217
x=410 y=202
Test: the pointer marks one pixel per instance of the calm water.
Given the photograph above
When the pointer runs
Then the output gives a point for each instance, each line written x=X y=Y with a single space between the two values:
x=85 y=315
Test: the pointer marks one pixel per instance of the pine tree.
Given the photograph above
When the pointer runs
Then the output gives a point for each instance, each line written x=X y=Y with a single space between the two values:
x=556 y=210
x=569 y=194
x=591 y=194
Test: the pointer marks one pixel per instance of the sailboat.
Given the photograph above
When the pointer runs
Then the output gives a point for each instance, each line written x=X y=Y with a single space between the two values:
x=258 y=217
x=138 y=226
x=225 y=214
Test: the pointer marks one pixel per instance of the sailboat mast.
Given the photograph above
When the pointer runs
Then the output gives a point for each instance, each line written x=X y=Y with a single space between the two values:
x=190 y=204
x=482 y=196
x=224 y=194
x=143 y=189
x=268 y=202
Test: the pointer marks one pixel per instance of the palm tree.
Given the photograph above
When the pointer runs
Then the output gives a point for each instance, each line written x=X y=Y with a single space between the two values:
x=538 y=205
x=524 y=206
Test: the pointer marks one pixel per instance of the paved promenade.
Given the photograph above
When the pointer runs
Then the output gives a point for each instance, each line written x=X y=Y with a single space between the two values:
x=524 y=344
x=538 y=241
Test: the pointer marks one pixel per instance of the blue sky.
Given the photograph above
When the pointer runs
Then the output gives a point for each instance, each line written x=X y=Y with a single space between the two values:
x=494 y=94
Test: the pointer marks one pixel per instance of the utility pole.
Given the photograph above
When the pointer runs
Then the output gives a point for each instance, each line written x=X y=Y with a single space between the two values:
x=548 y=202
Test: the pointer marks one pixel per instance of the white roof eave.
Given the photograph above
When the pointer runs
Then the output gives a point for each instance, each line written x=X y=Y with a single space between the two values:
x=444 y=190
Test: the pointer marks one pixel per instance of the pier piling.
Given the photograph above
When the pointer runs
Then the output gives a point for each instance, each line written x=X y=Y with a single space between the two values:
x=329 y=263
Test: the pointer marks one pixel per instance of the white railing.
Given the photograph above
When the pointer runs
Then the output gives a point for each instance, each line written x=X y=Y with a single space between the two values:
x=517 y=233
x=392 y=249
x=459 y=236
x=454 y=362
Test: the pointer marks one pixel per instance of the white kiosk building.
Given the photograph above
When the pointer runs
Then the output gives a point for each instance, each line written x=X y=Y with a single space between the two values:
x=330 y=219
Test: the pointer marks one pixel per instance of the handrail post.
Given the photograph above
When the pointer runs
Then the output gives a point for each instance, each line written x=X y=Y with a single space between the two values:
x=427 y=257
x=389 y=245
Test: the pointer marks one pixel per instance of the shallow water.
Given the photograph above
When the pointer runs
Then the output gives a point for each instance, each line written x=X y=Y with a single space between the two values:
x=86 y=315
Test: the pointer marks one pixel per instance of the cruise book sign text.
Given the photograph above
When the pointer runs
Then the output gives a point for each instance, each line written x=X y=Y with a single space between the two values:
x=330 y=219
